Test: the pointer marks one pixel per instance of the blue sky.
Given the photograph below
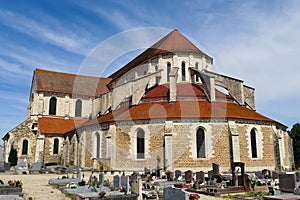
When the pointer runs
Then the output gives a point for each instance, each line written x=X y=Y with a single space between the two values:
x=256 y=41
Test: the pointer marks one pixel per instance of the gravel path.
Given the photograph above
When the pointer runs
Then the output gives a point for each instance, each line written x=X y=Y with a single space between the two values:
x=36 y=186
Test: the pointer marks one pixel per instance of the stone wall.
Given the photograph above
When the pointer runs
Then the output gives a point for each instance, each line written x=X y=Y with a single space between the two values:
x=20 y=133
x=49 y=157
x=267 y=160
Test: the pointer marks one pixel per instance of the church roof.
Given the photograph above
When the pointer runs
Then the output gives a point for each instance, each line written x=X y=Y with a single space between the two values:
x=59 y=126
x=155 y=105
x=50 y=81
x=173 y=42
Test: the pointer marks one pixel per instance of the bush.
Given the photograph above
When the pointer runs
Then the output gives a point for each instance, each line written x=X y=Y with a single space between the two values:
x=13 y=157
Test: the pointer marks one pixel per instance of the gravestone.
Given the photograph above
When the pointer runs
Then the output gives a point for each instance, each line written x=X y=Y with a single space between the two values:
x=175 y=194
x=117 y=181
x=274 y=175
x=36 y=167
x=298 y=176
x=125 y=183
x=259 y=175
x=188 y=176
x=200 y=176
x=266 y=173
x=2 y=168
x=136 y=184
x=79 y=174
x=178 y=173
x=216 y=169
x=101 y=179
x=7 y=166
x=287 y=182
x=210 y=174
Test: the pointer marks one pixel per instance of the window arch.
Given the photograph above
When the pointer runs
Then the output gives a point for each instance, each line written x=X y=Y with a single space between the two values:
x=98 y=145
x=55 y=146
x=168 y=71
x=78 y=108
x=52 y=106
x=253 y=143
x=140 y=141
x=183 y=74
x=25 y=147
x=200 y=140
x=197 y=67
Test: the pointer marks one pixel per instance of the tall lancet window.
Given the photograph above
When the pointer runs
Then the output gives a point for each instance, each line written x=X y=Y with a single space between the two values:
x=168 y=71
x=98 y=145
x=253 y=143
x=140 y=140
x=55 y=146
x=183 y=74
x=52 y=106
x=78 y=108
x=200 y=143
x=197 y=67
x=25 y=147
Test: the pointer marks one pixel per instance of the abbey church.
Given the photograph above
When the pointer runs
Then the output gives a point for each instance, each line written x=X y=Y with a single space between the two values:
x=166 y=108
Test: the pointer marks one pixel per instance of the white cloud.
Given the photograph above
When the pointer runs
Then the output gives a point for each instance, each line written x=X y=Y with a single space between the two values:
x=53 y=32
x=266 y=58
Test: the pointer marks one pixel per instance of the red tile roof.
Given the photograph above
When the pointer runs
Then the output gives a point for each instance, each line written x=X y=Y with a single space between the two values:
x=199 y=108
x=58 y=126
x=173 y=42
x=182 y=90
x=50 y=81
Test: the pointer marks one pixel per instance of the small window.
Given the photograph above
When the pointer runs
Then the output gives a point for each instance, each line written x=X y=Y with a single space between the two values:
x=78 y=108
x=253 y=144
x=52 y=106
x=197 y=67
x=55 y=146
x=168 y=71
x=25 y=147
x=183 y=75
x=200 y=143
x=140 y=144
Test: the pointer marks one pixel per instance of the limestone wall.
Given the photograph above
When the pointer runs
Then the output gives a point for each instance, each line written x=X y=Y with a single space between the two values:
x=17 y=135
x=49 y=157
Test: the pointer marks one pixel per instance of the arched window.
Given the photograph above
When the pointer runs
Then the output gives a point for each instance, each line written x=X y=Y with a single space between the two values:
x=253 y=144
x=140 y=140
x=25 y=147
x=197 y=67
x=168 y=71
x=52 y=106
x=78 y=108
x=55 y=146
x=98 y=147
x=183 y=71
x=200 y=139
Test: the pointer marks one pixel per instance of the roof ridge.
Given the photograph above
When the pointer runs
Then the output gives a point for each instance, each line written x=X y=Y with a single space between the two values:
x=69 y=74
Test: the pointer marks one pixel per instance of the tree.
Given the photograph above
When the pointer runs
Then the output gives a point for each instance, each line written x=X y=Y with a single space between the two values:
x=295 y=135
x=13 y=157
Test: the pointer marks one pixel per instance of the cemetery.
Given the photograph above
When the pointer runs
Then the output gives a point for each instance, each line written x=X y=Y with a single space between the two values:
x=156 y=184
x=88 y=184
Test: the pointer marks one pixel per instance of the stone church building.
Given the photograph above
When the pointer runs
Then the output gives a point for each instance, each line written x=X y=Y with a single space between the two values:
x=166 y=108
